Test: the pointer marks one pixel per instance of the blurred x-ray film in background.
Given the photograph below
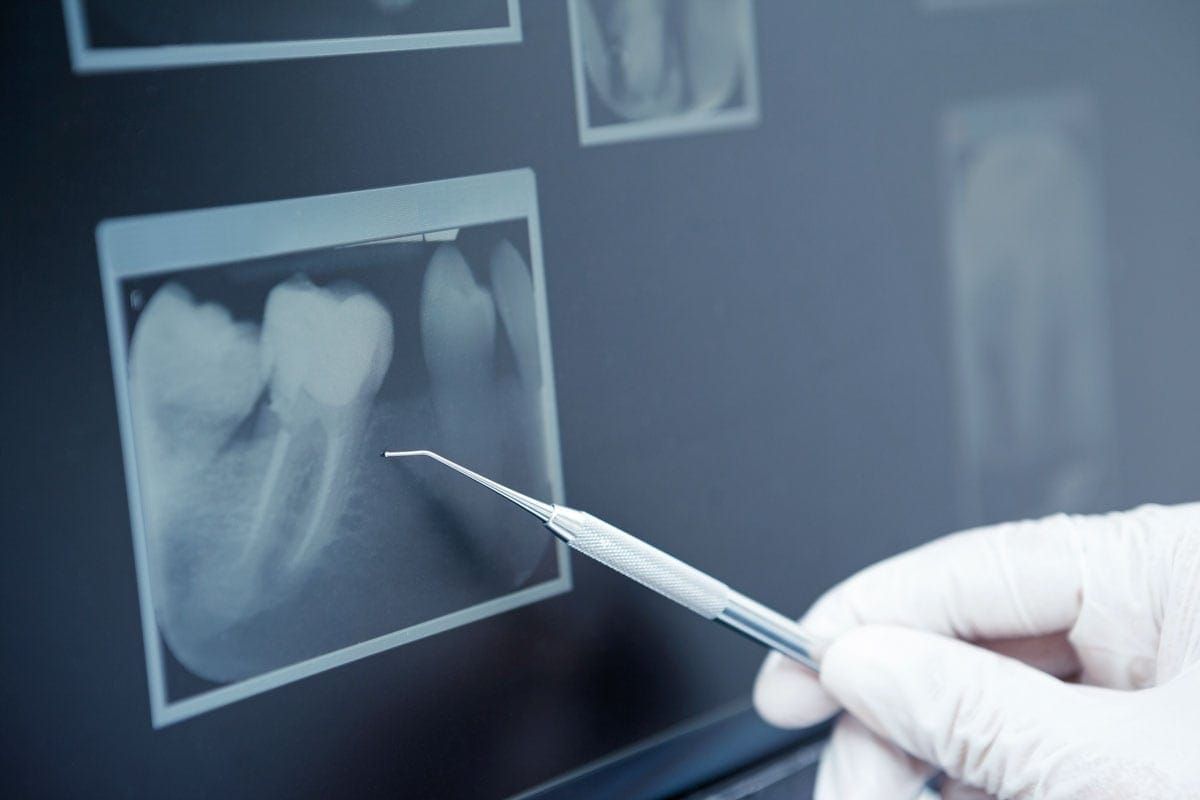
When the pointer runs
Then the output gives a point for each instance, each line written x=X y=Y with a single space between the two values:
x=650 y=68
x=1029 y=307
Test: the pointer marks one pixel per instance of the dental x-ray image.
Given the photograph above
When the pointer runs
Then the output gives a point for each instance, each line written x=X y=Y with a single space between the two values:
x=1028 y=288
x=648 y=68
x=260 y=393
x=131 y=34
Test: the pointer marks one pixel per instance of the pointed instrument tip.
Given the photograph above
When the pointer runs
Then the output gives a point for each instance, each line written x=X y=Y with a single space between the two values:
x=539 y=509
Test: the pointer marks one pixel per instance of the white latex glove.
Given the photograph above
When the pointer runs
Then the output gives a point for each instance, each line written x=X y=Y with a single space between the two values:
x=953 y=655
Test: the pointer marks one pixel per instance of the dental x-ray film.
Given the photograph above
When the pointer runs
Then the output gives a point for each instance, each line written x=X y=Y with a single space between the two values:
x=649 y=68
x=1029 y=309
x=264 y=355
x=130 y=34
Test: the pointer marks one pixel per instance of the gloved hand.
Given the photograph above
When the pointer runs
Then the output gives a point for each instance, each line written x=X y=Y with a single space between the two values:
x=954 y=654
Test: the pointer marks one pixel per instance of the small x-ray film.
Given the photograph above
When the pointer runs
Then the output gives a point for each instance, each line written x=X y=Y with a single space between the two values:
x=649 y=68
x=109 y=35
x=264 y=355
x=1028 y=291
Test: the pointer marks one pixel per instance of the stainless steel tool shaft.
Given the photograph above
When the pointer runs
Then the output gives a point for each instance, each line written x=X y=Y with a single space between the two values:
x=651 y=567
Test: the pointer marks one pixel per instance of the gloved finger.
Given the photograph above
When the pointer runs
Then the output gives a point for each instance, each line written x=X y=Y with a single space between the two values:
x=1014 y=580
x=982 y=718
x=1137 y=567
x=1019 y=579
x=788 y=695
x=1052 y=653
x=858 y=765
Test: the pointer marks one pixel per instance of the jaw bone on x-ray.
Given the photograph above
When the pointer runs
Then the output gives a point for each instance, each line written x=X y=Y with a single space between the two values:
x=1028 y=287
x=683 y=62
x=261 y=394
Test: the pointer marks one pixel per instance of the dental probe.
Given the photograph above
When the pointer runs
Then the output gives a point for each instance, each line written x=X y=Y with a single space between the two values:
x=652 y=568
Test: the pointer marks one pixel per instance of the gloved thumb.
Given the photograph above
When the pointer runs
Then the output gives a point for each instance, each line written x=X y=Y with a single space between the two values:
x=985 y=719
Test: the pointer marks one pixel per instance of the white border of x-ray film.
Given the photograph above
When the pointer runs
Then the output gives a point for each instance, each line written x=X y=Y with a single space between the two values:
x=88 y=59
x=158 y=243
x=973 y=121
x=744 y=116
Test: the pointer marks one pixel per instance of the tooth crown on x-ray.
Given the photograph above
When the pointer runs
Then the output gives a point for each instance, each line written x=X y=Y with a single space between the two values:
x=250 y=437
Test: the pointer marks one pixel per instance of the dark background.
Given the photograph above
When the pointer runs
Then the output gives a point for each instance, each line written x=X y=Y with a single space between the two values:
x=749 y=333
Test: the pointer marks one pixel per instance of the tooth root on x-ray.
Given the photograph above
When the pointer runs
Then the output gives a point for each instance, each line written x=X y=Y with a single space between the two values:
x=458 y=336
x=324 y=354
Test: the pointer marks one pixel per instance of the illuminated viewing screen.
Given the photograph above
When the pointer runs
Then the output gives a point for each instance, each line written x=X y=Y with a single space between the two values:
x=781 y=288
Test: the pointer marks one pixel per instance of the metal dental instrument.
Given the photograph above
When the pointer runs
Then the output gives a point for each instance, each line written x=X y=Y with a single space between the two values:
x=653 y=568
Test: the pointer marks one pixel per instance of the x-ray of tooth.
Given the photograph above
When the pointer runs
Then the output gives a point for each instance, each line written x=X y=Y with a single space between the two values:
x=511 y=283
x=1028 y=287
x=259 y=393
x=646 y=68
x=131 y=34
x=458 y=334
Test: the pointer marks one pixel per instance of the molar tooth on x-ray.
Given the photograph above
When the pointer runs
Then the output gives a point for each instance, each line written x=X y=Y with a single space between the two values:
x=194 y=376
x=1028 y=286
x=324 y=354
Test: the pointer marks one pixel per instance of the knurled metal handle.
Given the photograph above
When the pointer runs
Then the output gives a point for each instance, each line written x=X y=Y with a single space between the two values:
x=648 y=565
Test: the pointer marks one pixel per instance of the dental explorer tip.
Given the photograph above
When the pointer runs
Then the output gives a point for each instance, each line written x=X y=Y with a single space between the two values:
x=539 y=509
